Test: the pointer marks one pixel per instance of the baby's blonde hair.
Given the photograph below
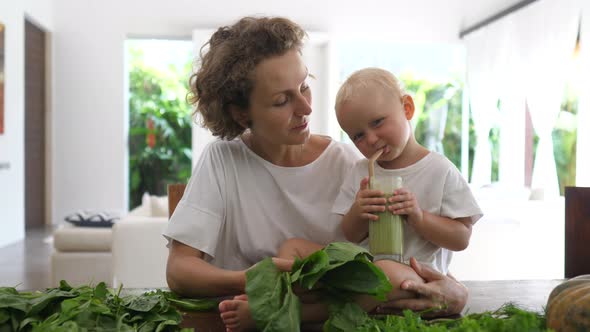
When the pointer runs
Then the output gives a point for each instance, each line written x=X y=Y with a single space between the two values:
x=369 y=78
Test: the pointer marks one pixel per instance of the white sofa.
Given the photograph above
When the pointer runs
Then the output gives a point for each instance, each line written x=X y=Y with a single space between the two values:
x=81 y=255
x=139 y=252
x=132 y=252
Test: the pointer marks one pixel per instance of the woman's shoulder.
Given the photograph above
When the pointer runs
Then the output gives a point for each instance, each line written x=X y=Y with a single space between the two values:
x=223 y=147
x=335 y=147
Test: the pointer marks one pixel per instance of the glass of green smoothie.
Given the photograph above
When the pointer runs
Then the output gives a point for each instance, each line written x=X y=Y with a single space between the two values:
x=386 y=235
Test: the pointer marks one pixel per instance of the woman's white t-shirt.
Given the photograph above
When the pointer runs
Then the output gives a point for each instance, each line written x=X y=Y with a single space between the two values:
x=239 y=208
x=439 y=188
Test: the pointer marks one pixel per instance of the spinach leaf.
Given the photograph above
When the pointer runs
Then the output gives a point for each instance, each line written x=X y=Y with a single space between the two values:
x=359 y=276
x=194 y=304
x=342 y=252
x=307 y=272
x=141 y=303
x=273 y=304
x=345 y=316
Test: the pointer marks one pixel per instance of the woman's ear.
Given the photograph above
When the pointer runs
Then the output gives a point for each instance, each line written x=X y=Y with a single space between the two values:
x=240 y=115
x=409 y=108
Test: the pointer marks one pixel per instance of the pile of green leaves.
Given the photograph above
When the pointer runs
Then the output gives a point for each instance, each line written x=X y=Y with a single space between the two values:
x=97 y=308
x=508 y=318
x=338 y=273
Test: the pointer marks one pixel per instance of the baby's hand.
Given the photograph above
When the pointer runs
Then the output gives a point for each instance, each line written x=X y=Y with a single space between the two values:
x=368 y=201
x=404 y=202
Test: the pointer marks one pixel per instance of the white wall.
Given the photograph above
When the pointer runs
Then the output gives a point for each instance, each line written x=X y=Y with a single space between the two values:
x=12 y=15
x=90 y=139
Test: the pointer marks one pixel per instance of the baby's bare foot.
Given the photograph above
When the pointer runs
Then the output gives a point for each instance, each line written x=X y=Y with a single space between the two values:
x=235 y=314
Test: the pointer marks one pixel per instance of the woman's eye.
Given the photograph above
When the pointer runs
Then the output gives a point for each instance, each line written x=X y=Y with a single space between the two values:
x=304 y=87
x=281 y=102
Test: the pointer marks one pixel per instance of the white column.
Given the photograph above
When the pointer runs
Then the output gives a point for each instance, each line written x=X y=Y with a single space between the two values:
x=583 y=141
x=316 y=53
x=481 y=78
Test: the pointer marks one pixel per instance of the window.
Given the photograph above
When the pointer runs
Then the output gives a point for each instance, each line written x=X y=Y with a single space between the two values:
x=159 y=116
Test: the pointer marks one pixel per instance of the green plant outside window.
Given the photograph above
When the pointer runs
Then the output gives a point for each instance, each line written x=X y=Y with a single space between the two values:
x=159 y=126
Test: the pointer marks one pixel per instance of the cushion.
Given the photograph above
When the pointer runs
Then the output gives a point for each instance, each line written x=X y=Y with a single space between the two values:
x=145 y=209
x=70 y=238
x=92 y=218
x=151 y=206
x=159 y=205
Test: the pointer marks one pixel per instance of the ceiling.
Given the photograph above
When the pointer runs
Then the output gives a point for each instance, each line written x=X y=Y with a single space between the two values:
x=419 y=20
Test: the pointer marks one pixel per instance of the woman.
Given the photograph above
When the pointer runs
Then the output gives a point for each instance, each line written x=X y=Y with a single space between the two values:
x=268 y=179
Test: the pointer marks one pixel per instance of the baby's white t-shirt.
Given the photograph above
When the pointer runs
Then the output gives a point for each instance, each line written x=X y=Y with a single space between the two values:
x=439 y=188
x=239 y=208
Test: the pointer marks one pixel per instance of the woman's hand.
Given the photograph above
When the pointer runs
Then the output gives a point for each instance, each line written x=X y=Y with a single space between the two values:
x=367 y=202
x=404 y=202
x=444 y=294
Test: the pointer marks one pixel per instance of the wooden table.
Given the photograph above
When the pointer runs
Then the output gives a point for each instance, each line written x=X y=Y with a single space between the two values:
x=483 y=296
x=490 y=295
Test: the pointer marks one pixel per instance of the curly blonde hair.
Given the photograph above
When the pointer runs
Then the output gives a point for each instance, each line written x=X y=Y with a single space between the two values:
x=225 y=74
x=369 y=78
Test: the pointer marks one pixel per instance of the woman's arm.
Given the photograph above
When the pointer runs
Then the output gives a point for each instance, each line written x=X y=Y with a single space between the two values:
x=189 y=275
x=442 y=293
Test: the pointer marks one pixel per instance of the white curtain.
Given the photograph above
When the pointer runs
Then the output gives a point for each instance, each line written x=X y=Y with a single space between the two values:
x=521 y=56
x=583 y=141
x=547 y=34
x=483 y=95
x=512 y=105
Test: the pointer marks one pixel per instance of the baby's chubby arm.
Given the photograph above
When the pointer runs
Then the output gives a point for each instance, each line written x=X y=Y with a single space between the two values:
x=355 y=223
x=452 y=234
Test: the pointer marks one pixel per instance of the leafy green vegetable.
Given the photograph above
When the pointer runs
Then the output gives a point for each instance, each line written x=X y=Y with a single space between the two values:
x=338 y=272
x=97 y=308
x=193 y=304
x=507 y=318
x=360 y=277
x=273 y=304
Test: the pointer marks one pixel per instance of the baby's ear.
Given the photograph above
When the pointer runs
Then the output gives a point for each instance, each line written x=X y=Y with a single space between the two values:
x=408 y=104
x=240 y=115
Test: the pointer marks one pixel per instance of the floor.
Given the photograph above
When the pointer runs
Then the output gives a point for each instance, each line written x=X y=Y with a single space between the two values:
x=25 y=264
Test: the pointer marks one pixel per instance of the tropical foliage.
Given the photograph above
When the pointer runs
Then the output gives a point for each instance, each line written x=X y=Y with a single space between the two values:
x=565 y=135
x=431 y=99
x=159 y=126
x=440 y=103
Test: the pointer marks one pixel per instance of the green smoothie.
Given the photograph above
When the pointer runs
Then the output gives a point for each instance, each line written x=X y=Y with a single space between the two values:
x=386 y=235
